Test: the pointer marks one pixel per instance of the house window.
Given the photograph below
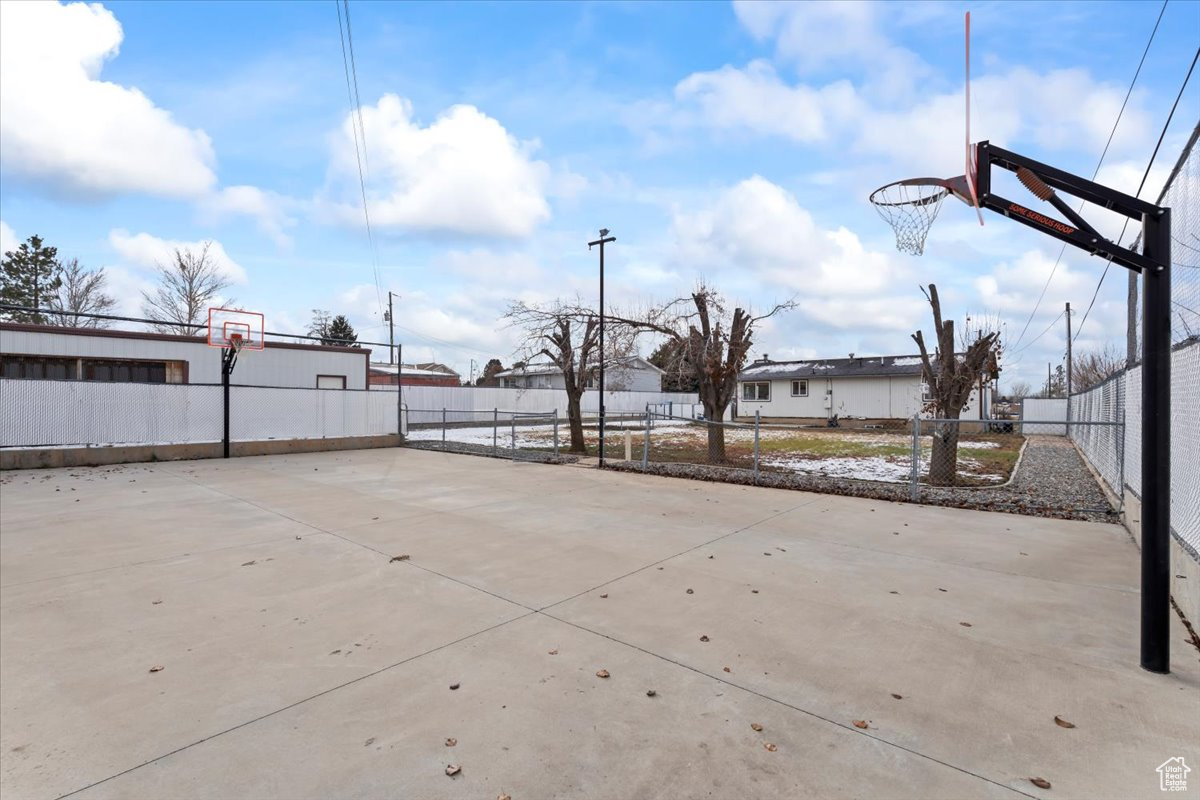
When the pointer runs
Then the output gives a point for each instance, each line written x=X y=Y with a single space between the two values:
x=38 y=368
x=799 y=388
x=125 y=371
x=757 y=391
x=925 y=395
x=331 y=381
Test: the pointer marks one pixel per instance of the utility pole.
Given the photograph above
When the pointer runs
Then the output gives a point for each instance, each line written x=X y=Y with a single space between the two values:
x=603 y=240
x=1048 y=384
x=391 y=319
x=1069 y=366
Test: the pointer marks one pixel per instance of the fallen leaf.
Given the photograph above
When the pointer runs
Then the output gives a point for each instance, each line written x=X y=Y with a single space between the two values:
x=369 y=742
x=893 y=592
x=754 y=726
x=603 y=596
x=727 y=669
x=651 y=693
x=710 y=556
x=940 y=589
x=766 y=554
x=399 y=558
x=704 y=638
x=454 y=686
x=156 y=668
x=249 y=563
x=691 y=591
x=897 y=696
x=504 y=797
x=453 y=769
x=754 y=591
x=1062 y=723
x=1041 y=783
x=770 y=747
x=965 y=624
x=553 y=652
x=861 y=723
x=601 y=673
x=155 y=602
x=451 y=742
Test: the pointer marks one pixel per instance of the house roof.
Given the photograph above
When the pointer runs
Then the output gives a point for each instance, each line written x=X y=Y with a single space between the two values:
x=435 y=366
x=546 y=368
x=390 y=369
x=863 y=367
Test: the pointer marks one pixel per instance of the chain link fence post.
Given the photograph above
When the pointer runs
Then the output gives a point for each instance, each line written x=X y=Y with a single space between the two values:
x=556 y=432
x=757 y=420
x=915 y=476
x=513 y=423
x=443 y=428
x=495 y=431
x=646 y=444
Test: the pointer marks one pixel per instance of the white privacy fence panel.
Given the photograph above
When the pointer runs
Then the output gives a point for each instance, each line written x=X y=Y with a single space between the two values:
x=1121 y=396
x=83 y=413
x=1044 y=409
x=259 y=412
x=424 y=401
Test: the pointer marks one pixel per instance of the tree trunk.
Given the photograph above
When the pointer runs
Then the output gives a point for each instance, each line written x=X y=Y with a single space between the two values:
x=943 y=462
x=575 y=419
x=716 y=434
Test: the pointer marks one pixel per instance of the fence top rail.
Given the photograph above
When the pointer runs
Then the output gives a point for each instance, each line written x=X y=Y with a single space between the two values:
x=550 y=413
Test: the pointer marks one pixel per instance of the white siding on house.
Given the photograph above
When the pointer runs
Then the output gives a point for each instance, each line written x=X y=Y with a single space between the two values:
x=887 y=397
x=273 y=366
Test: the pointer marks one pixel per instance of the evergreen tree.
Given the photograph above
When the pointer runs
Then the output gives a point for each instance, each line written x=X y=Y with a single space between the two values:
x=340 y=333
x=30 y=276
x=490 y=369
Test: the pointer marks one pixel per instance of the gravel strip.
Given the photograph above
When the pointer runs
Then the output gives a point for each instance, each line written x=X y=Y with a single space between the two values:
x=1051 y=481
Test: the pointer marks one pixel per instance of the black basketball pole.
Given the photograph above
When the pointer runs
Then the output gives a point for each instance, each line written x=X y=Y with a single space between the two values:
x=1154 y=262
x=228 y=359
x=1156 y=444
x=604 y=239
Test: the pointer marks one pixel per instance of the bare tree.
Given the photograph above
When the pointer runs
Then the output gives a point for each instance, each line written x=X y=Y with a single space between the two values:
x=186 y=288
x=710 y=344
x=1020 y=390
x=81 y=292
x=1095 y=366
x=950 y=378
x=568 y=334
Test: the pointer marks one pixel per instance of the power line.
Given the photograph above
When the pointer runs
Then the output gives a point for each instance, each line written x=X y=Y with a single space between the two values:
x=1141 y=185
x=1040 y=335
x=1111 y=134
x=359 y=131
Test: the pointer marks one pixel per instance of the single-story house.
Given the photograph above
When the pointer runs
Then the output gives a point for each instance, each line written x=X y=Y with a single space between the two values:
x=877 y=387
x=414 y=375
x=630 y=375
x=51 y=352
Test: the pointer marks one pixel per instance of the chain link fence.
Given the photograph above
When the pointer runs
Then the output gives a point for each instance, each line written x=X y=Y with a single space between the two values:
x=517 y=435
x=68 y=413
x=1181 y=194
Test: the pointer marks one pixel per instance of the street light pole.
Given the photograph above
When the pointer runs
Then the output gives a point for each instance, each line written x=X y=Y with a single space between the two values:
x=603 y=240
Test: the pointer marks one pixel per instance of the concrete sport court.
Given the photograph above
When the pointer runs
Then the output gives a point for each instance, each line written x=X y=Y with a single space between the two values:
x=299 y=660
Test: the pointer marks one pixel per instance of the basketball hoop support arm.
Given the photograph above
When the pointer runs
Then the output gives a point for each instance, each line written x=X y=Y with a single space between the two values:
x=1154 y=264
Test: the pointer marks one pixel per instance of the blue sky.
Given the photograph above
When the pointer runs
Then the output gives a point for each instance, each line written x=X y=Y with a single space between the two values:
x=731 y=143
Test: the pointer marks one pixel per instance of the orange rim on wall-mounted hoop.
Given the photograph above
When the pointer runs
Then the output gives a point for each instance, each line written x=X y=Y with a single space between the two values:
x=232 y=329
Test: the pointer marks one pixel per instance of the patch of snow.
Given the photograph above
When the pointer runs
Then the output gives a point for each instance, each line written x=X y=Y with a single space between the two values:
x=865 y=468
x=908 y=361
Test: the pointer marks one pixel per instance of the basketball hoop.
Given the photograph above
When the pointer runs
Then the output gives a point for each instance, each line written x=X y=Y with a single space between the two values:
x=235 y=342
x=910 y=207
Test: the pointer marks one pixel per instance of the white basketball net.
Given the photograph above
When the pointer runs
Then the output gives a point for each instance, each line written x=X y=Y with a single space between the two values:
x=910 y=207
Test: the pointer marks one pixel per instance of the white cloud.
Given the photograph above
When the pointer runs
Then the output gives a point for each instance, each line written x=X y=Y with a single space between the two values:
x=146 y=251
x=757 y=99
x=268 y=209
x=8 y=239
x=62 y=125
x=462 y=173
x=757 y=230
